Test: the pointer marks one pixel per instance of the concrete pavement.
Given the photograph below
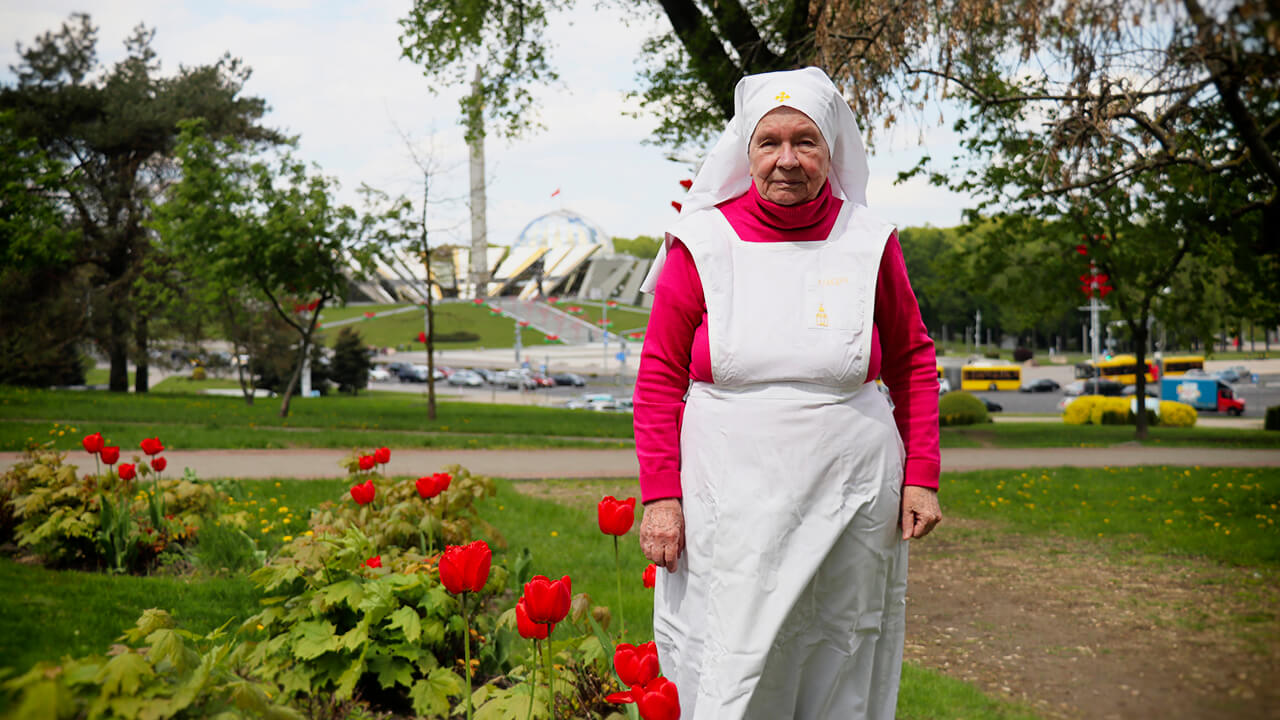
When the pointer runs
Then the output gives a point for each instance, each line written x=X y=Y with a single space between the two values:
x=529 y=464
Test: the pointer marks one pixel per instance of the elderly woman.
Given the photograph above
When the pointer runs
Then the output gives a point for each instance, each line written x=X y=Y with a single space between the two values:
x=780 y=486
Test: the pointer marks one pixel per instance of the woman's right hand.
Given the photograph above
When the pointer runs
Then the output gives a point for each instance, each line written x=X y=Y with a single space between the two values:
x=662 y=532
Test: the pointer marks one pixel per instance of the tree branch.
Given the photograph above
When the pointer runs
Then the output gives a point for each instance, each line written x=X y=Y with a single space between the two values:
x=717 y=70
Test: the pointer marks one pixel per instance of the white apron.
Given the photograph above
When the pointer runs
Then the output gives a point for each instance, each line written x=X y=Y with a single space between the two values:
x=789 y=601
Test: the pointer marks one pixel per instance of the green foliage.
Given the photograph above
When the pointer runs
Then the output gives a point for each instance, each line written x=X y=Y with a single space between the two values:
x=1272 y=421
x=159 y=671
x=961 y=408
x=641 y=246
x=335 y=625
x=114 y=129
x=351 y=362
x=89 y=521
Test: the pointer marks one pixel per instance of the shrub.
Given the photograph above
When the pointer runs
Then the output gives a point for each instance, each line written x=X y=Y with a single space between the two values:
x=1080 y=410
x=1022 y=355
x=961 y=408
x=1176 y=414
x=198 y=373
x=458 y=336
x=162 y=671
x=351 y=362
x=1272 y=421
x=1110 y=411
x=94 y=520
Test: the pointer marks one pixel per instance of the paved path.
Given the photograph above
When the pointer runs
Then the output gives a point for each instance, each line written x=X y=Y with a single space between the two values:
x=622 y=463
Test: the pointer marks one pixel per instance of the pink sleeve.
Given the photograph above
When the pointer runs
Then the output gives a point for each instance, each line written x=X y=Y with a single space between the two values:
x=678 y=309
x=909 y=367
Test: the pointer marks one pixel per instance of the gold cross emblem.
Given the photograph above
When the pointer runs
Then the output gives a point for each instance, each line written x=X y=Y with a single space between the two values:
x=821 y=317
x=782 y=96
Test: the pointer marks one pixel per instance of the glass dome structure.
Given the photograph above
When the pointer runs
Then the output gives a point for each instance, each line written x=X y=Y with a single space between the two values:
x=562 y=228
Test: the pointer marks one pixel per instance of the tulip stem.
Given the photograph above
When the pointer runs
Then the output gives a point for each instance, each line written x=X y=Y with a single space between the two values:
x=533 y=681
x=466 y=652
x=617 y=566
x=551 y=673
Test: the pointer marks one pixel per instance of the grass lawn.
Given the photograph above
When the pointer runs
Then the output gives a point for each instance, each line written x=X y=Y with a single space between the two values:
x=625 y=319
x=203 y=421
x=403 y=328
x=1057 y=434
x=46 y=614
x=1228 y=515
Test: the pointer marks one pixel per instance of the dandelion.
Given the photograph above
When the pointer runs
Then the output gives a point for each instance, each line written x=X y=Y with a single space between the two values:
x=1168 y=521
x=308 y=533
x=261 y=626
x=282 y=510
x=287 y=538
x=555 y=534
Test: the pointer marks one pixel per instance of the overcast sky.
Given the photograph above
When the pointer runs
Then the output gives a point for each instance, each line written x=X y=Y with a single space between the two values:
x=331 y=73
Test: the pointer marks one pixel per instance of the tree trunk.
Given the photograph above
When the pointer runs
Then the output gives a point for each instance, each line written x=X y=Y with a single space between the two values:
x=1139 y=330
x=143 y=362
x=297 y=373
x=118 y=353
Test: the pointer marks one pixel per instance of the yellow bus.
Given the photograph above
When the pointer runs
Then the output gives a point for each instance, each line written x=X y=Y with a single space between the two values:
x=1120 y=368
x=1176 y=365
x=990 y=377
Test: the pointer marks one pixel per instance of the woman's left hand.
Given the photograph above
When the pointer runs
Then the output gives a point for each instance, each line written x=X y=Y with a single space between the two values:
x=920 y=511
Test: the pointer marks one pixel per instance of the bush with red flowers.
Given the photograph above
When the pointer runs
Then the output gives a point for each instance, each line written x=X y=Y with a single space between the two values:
x=118 y=515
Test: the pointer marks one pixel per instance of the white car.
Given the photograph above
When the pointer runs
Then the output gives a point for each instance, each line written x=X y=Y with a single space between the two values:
x=379 y=374
x=944 y=386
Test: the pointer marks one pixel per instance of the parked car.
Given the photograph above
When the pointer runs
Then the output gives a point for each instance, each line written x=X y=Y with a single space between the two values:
x=569 y=378
x=466 y=378
x=415 y=373
x=490 y=376
x=542 y=380
x=1152 y=390
x=593 y=401
x=1233 y=374
x=1094 y=386
x=395 y=368
x=944 y=386
x=992 y=406
x=1040 y=385
x=519 y=380
x=379 y=374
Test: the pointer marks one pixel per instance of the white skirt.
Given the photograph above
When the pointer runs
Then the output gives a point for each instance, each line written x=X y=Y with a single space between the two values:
x=790 y=599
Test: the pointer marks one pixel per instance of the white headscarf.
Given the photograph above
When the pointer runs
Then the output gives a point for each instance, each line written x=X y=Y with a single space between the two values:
x=726 y=174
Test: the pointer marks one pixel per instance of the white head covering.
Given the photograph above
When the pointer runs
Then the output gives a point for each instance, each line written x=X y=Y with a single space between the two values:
x=726 y=174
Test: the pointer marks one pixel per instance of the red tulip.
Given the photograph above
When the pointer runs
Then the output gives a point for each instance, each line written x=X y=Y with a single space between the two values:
x=363 y=493
x=547 y=601
x=152 y=446
x=465 y=567
x=127 y=471
x=659 y=700
x=93 y=443
x=110 y=454
x=422 y=337
x=616 y=516
x=366 y=462
x=369 y=314
x=374 y=562
x=433 y=485
x=529 y=629
x=158 y=464
x=650 y=575
x=636 y=664
x=382 y=456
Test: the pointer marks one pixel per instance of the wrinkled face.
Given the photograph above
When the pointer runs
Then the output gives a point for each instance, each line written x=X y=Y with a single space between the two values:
x=788 y=156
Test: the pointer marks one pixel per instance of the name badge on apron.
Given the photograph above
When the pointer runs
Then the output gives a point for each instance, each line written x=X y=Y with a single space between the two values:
x=833 y=300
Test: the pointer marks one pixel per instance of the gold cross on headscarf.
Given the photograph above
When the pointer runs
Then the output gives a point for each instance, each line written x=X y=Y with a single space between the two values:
x=782 y=96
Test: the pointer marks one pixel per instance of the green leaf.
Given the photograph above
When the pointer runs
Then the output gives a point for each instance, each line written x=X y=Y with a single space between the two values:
x=313 y=638
x=346 y=591
x=406 y=618
x=377 y=602
x=356 y=637
x=123 y=674
x=431 y=695
x=347 y=681
x=392 y=671
x=39 y=701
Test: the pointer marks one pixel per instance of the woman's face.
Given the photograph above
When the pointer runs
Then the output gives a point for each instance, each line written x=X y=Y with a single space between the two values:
x=789 y=158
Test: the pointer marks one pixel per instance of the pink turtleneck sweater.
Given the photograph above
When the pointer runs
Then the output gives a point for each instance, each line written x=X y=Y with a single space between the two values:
x=676 y=348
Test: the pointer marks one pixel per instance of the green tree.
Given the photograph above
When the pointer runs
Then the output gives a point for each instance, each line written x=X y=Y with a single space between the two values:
x=641 y=246
x=351 y=362
x=114 y=130
x=271 y=225
x=40 y=322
